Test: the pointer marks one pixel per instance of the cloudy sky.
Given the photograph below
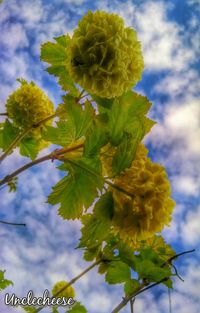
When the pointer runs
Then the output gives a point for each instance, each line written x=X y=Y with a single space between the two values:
x=42 y=253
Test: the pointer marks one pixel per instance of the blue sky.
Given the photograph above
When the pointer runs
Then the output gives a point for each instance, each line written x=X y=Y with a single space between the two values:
x=43 y=253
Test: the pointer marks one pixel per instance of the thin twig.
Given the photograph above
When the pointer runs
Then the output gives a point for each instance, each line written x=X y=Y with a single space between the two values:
x=142 y=289
x=132 y=305
x=73 y=281
x=53 y=155
x=12 y=224
x=170 y=301
x=20 y=136
x=4 y=114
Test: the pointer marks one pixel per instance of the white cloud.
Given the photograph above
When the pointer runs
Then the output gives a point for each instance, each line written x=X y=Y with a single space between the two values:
x=190 y=230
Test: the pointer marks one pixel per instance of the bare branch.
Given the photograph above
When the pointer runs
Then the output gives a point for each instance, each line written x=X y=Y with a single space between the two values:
x=12 y=224
x=51 y=156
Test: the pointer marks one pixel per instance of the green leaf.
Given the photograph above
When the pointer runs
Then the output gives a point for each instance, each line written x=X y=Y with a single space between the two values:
x=168 y=283
x=126 y=254
x=79 y=189
x=77 y=308
x=8 y=133
x=97 y=225
x=4 y=283
x=104 y=208
x=103 y=103
x=97 y=136
x=131 y=286
x=148 y=270
x=29 y=148
x=126 y=151
x=53 y=53
x=118 y=272
x=56 y=55
x=91 y=253
x=126 y=113
x=64 y=78
x=74 y=126
x=93 y=232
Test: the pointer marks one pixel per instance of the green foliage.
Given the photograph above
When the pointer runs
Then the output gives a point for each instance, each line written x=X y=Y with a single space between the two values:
x=131 y=286
x=4 y=283
x=127 y=125
x=97 y=135
x=56 y=55
x=8 y=133
x=29 y=148
x=118 y=272
x=97 y=226
x=78 y=189
x=75 y=124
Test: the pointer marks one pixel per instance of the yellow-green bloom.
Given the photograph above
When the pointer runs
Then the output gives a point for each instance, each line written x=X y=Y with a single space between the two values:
x=27 y=106
x=67 y=292
x=149 y=209
x=104 y=56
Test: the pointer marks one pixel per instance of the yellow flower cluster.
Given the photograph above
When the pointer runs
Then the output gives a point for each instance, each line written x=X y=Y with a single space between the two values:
x=28 y=105
x=67 y=292
x=149 y=209
x=104 y=57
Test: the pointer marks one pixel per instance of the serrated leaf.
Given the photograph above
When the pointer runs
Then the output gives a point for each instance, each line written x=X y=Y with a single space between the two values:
x=64 y=79
x=8 y=133
x=104 y=208
x=79 y=189
x=77 y=308
x=126 y=111
x=97 y=136
x=97 y=225
x=4 y=283
x=93 y=232
x=118 y=272
x=126 y=151
x=53 y=53
x=131 y=286
x=74 y=126
x=29 y=147
x=56 y=55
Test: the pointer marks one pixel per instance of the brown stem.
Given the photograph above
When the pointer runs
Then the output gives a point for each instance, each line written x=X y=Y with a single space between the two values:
x=73 y=281
x=142 y=288
x=23 y=134
x=53 y=155
x=4 y=114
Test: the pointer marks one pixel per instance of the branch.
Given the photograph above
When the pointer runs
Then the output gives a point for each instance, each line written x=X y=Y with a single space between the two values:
x=4 y=114
x=73 y=281
x=23 y=134
x=142 y=289
x=51 y=156
x=12 y=224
